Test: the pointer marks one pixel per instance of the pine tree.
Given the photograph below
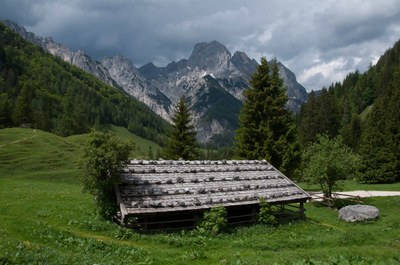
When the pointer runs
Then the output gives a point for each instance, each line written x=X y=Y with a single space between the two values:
x=320 y=115
x=23 y=107
x=266 y=128
x=380 y=141
x=183 y=143
x=5 y=111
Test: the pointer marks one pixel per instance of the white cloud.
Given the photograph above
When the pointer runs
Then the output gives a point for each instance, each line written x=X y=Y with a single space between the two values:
x=325 y=69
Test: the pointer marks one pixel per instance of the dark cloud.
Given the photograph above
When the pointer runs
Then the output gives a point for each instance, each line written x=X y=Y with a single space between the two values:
x=321 y=41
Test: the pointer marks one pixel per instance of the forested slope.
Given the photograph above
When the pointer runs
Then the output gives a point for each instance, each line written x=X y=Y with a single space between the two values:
x=41 y=90
x=365 y=110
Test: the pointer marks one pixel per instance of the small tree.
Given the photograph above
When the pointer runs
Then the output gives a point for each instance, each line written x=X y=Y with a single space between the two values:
x=327 y=161
x=183 y=143
x=105 y=156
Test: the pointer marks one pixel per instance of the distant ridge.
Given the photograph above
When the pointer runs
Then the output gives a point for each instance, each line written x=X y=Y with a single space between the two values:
x=211 y=80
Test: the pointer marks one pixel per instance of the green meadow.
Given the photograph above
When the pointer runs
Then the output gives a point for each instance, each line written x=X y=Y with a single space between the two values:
x=45 y=218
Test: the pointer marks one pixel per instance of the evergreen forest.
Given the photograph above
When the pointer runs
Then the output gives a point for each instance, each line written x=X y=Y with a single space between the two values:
x=42 y=91
x=364 y=110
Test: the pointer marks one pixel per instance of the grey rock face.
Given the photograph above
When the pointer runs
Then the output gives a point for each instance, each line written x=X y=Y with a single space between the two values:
x=244 y=64
x=128 y=77
x=354 y=213
x=296 y=93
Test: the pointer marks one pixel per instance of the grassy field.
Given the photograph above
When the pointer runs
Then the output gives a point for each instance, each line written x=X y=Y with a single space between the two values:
x=46 y=219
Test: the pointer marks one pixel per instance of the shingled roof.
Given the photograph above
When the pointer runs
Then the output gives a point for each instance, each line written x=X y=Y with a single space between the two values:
x=150 y=187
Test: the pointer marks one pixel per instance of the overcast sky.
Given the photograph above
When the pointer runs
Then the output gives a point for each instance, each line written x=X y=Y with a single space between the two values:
x=320 y=41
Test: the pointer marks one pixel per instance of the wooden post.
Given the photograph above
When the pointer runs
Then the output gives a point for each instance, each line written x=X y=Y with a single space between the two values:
x=302 y=210
x=253 y=216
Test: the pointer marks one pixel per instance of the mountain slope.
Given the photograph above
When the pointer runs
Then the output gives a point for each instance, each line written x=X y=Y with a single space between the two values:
x=40 y=89
x=129 y=78
x=78 y=58
x=123 y=74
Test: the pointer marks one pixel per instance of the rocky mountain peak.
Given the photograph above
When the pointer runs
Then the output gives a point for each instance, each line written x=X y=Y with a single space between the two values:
x=120 y=61
x=212 y=57
x=150 y=71
x=243 y=63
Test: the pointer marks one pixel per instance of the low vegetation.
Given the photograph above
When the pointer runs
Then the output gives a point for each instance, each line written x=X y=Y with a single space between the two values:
x=105 y=155
x=45 y=218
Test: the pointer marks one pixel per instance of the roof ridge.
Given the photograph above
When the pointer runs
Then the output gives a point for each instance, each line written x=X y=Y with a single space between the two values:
x=195 y=162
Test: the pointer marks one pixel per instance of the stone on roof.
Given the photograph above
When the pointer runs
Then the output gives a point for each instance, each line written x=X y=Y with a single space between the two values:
x=160 y=186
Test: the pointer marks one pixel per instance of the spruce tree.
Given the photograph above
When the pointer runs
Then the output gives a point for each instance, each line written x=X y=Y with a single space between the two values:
x=320 y=115
x=23 y=107
x=266 y=129
x=380 y=141
x=183 y=143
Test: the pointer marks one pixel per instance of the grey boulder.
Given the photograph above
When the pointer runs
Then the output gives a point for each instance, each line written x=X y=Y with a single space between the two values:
x=357 y=213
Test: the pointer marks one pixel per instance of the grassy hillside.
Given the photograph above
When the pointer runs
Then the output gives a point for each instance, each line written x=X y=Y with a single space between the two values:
x=46 y=219
x=142 y=145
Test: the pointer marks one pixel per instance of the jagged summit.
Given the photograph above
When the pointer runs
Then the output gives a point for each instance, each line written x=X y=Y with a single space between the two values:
x=119 y=60
x=243 y=63
x=213 y=57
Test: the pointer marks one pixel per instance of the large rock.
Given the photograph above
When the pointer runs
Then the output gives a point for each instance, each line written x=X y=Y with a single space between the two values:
x=354 y=213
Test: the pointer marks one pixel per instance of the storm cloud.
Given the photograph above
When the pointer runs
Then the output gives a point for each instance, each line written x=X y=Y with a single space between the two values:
x=321 y=41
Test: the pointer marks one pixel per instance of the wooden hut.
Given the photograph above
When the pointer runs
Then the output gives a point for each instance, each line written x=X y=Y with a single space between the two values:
x=169 y=194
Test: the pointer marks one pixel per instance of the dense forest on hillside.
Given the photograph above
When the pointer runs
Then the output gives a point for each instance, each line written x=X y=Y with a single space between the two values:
x=365 y=111
x=42 y=91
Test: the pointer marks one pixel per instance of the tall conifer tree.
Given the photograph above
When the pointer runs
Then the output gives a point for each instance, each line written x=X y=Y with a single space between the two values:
x=266 y=128
x=23 y=107
x=183 y=143
x=320 y=115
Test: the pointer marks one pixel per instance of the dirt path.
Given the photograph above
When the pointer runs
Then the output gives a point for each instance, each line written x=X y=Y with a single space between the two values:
x=356 y=193
x=17 y=141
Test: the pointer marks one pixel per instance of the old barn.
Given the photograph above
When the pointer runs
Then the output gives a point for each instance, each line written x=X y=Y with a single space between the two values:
x=166 y=194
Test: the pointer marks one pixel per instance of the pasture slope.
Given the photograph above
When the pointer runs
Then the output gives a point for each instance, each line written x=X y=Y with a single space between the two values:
x=46 y=219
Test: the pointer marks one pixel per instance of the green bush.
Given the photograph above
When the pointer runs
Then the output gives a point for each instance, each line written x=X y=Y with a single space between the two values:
x=105 y=156
x=213 y=221
x=265 y=215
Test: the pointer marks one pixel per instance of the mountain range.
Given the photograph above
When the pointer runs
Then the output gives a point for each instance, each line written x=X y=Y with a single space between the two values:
x=211 y=79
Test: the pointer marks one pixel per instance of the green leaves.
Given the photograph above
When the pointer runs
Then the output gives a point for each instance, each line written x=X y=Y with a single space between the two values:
x=265 y=215
x=213 y=221
x=327 y=161
x=104 y=158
